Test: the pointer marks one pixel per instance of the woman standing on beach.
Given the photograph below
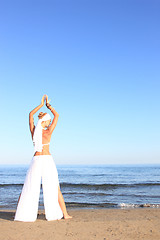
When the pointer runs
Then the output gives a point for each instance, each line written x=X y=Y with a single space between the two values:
x=42 y=166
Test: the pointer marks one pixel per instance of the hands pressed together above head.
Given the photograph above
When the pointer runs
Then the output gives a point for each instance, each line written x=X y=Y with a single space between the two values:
x=45 y=99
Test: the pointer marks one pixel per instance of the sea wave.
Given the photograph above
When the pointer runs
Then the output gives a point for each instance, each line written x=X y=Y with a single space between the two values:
x=11 y=185
x=90 y=186
x=104 y=186
x=90 y=205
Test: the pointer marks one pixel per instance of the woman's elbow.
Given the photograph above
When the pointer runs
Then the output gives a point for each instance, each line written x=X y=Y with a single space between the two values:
x=30 y=114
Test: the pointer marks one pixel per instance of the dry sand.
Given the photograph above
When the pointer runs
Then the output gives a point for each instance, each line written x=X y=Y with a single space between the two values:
x=103 y=224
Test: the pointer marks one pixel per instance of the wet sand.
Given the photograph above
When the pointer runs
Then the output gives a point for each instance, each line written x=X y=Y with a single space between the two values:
x=101 y=224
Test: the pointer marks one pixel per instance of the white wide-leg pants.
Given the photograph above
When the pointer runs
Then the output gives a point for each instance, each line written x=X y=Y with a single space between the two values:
x=41 y=167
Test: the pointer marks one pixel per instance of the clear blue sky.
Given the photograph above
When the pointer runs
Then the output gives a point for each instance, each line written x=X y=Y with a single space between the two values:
x=99 y=63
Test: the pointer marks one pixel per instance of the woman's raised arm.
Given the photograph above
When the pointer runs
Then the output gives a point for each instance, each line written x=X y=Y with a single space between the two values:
x=31 y=120
x=56 y=115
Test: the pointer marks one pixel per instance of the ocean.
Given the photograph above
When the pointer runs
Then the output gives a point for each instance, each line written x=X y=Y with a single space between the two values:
x=91 y=186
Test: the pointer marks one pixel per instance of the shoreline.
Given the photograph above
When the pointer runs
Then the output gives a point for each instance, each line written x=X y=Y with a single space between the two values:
x=82 y=206
x=86 y=224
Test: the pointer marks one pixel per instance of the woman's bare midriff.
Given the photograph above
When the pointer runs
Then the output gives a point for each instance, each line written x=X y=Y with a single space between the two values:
x=45 y=151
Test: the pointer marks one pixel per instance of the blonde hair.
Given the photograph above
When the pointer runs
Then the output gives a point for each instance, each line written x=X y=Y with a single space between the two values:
x=41 y=115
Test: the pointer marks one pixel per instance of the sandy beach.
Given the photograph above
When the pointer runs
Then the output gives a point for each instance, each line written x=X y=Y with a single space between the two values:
x=101 y=224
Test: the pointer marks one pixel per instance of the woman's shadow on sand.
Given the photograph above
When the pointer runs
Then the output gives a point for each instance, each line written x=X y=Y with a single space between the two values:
x=9 y=215
x=6 y=215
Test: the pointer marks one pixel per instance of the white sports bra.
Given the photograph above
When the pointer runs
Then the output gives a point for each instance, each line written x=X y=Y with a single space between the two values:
x=45 y=143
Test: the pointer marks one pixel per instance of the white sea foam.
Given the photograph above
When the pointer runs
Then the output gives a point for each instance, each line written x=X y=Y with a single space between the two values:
x=128 y=205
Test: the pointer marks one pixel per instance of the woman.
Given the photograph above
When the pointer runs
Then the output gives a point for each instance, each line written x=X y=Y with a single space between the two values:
x=42 y=167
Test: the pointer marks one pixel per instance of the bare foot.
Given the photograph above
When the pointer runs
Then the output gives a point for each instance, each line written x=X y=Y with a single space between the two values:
x=67 y=216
